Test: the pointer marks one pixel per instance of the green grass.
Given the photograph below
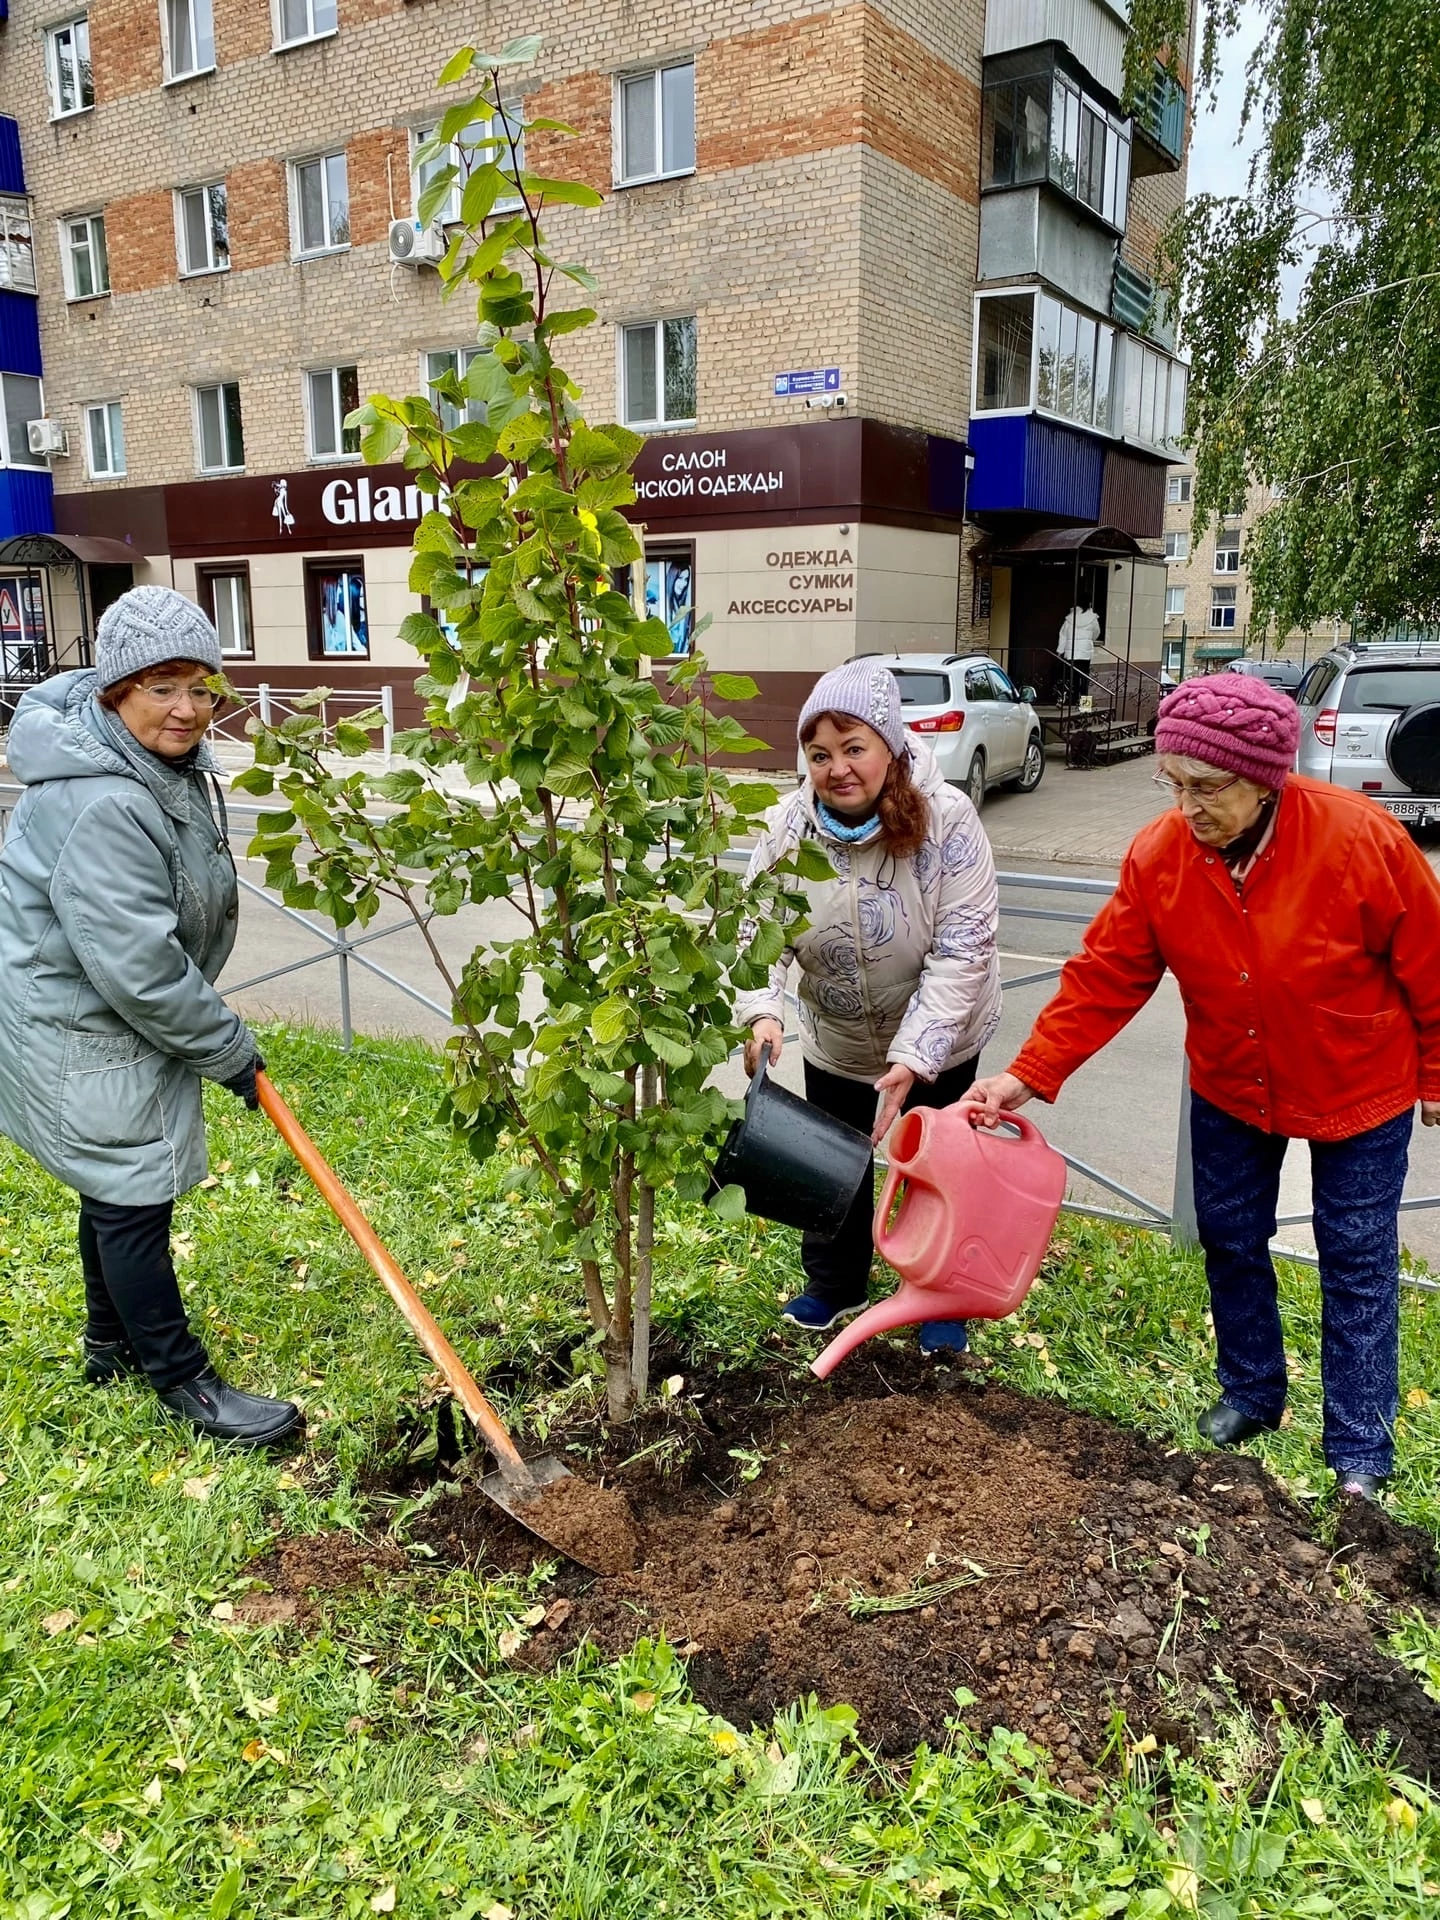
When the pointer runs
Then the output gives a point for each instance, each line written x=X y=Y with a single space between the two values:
x=160 y=1759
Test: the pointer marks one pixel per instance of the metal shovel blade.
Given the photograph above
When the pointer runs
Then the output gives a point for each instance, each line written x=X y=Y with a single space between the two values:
x=590 y=1525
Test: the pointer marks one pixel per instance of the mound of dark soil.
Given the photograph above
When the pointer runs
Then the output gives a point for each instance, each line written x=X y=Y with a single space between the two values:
x=893 y=1547
x=295 y=1571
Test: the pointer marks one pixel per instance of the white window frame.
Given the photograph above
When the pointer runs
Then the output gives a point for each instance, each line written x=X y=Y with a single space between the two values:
x=21 y=457
x=1179 y=489
x=341 y=453
x=17 y=245
x=1177 y=548
x=299 y=251
x=1226 y=558
x=622 y=335
x=217 y=387
x=1222 y=607
x=52 y=65
x=91 y=221
x=202 y=39
x=277 y=25
x=113 y=416
x=486 y=127
x=1176 y=612
x=464 y=358
x=641 y=176
x=213 y=263
x=235 y=576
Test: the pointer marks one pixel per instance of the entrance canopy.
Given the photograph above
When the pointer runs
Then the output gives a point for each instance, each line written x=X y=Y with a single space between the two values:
x=64 y=549
x=41 y=556
x=1066 y=543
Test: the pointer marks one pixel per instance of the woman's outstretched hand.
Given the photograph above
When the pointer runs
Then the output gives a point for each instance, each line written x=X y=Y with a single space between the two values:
x=895 y=1085
x=999 y=1094
x=764 y=1033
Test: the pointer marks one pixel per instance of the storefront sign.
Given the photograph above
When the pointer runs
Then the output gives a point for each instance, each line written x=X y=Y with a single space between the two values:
x=807 y=583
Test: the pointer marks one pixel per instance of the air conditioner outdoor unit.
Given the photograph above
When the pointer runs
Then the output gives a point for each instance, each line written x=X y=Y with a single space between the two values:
x=46 y=436
x=412 y=245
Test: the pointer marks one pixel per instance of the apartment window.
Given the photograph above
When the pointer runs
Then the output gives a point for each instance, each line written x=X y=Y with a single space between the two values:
x=474 y=146
x=1222 y=609
x=67 y=55
x=320 y=198
x=1179 y=488
x=457 y=360
x=1227 y=552
x=1074 y=363
x=17 y=245
x=1174 y=603
x=202 y=223
x=20 y=395
x=105 y=440
x=225 y=597
x=658 y=370
x=331 y=393
x=300 y=20
x=1041 y=125
x=190 y=37
x=1177 y=548
x=87 y=265
x=1154 y=389
x=655 y=114
x=335 y=603
x=218 y=431
x=1006 y=345
x=670 y=593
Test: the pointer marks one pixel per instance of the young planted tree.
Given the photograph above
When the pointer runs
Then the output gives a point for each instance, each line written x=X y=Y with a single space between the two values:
x=605 y=818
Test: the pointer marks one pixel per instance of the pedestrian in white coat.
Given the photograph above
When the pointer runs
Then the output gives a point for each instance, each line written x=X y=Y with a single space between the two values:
x=899 y=977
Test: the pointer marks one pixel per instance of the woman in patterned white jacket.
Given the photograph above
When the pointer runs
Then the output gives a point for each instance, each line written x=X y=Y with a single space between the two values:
x=899 y=976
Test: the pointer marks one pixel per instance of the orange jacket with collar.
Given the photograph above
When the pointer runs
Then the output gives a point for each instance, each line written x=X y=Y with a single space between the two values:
x=1312 y=995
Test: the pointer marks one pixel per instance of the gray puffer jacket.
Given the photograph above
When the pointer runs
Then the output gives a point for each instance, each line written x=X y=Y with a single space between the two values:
x=898 y=964
x=118 y=904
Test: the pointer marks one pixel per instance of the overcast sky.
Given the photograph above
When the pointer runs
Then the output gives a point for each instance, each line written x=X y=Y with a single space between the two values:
x=1218 y=163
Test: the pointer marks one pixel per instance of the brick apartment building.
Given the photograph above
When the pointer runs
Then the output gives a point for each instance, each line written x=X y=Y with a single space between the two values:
x=935 y=213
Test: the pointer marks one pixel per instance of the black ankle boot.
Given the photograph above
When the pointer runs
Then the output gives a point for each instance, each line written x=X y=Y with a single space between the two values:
x=1226 y=1426
x=108 y=1360
x=213 y=1406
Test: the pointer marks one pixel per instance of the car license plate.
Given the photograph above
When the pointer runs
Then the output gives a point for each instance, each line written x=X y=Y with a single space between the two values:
x=1420 y=811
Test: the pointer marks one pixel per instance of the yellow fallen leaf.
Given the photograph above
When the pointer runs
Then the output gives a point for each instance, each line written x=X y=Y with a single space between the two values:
x=54 y=1623
x=1183 y=1886
x=383 y=1901
x=1400 y=1813
x=673 y=1385
x=208 y=1182
x=179 y=1763
x=161 y=1475
x=154 y=1793
x=223 y=1610
x=1314 y=1811
x=262 y=1709
x=497 y=1912
x=254 y=1751
x=199 y=1487
x=86 y=1640
x=1417 y=1397
x=13 y=1585
x=644 y=1701
x=1050 y=1370
x=1036 y=1340
x=533 y=1618
x=510 y=1642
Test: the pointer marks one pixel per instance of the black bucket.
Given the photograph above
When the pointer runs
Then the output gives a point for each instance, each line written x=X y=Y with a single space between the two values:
x=797 y=1165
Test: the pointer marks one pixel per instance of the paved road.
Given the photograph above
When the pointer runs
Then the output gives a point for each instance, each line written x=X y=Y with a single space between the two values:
x=1119 y=1114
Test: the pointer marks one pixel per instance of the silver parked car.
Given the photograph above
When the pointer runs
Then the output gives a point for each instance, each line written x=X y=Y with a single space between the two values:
x=984 y=733
x=1370 y=721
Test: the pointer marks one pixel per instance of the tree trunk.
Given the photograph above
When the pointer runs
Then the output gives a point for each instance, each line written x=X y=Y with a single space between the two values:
x=644 y=1250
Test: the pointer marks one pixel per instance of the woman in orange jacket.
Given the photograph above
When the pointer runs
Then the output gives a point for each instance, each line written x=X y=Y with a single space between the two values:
x=1303 y=927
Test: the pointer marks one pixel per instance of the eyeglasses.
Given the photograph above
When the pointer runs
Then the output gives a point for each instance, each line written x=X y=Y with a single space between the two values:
x=1193 y=789
x=166 y=695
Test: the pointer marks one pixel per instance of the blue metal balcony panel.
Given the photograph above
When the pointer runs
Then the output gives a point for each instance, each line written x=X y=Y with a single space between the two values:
x=1160 y=124
x=19 y=334
x=27 y=502
x=12 y=169
x=1027 y=465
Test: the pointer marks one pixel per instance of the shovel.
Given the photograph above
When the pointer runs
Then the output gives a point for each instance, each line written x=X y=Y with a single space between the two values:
x=518 y=1483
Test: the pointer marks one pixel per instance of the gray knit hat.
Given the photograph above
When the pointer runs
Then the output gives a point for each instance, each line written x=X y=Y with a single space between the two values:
x=147 y=626
x=866 y=691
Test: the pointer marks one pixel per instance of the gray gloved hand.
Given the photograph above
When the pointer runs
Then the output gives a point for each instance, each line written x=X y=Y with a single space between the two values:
x=243 y=1086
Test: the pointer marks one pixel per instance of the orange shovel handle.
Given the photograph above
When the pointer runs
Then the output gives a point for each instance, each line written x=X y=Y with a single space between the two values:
x=422 y=1322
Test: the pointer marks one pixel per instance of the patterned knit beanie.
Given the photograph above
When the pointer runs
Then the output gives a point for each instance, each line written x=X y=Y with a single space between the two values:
x=1232 y=721
x=863 y=690
x=148 y=626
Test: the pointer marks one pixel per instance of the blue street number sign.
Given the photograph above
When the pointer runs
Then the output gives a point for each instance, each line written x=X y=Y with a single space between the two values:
x=809 y=380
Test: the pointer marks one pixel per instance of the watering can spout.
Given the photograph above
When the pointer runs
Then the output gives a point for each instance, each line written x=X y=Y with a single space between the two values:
x=905 y=1308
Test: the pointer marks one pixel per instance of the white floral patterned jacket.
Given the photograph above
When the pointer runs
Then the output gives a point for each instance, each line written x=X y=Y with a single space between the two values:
x=898 y=964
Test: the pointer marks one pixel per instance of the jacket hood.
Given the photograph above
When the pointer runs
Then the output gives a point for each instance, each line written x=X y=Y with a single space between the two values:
x=61 y=732
x=924 y=771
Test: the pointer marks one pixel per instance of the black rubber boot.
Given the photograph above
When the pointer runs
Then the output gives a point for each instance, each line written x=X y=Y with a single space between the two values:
x=1225 y=1426
x=108 y=1360
x=213 y=1406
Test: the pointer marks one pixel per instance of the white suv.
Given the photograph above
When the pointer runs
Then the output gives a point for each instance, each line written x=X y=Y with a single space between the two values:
x=1370 y=721
x=984 y=733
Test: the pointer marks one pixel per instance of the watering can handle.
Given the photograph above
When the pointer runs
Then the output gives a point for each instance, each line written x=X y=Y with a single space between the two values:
x=880 y=1233
x=1026 y=1129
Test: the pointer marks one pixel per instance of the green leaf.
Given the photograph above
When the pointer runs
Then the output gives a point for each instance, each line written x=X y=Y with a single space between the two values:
x=435 y=193
x=568 y=320
x=482 y=190
x=610 y=1021
x=379 y=444
x=729 y=1203
x=457 y=66
x=569 y=193
x=581 y=276
x=665 y=1047
x=518 y=53
x=519 y=438
x=222 y=1901
x=734 y=686
x=550 y=126
x=256 y=779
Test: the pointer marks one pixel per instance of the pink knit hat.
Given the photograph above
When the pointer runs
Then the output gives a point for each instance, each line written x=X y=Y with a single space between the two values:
x=1233 y=721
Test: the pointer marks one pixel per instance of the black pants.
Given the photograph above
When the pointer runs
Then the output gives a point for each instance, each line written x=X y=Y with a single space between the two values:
x=837 y=1271
x=131 y=1293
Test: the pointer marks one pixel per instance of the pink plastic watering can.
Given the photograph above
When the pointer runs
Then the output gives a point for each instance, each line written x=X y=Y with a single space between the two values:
x=974 y=1220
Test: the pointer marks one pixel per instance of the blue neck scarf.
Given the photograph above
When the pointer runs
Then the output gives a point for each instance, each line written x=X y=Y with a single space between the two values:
x=839 y=829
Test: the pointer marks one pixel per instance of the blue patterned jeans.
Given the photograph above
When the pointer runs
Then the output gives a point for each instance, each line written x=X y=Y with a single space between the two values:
x=1356 y=1185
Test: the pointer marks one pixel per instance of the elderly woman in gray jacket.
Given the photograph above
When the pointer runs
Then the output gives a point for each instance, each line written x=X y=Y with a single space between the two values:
x=118 y=903
x=899 y=975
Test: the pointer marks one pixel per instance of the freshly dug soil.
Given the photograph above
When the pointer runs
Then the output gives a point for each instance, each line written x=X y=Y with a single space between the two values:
x=1076 y=1568
x=593 y=1525
x=294 y=1572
